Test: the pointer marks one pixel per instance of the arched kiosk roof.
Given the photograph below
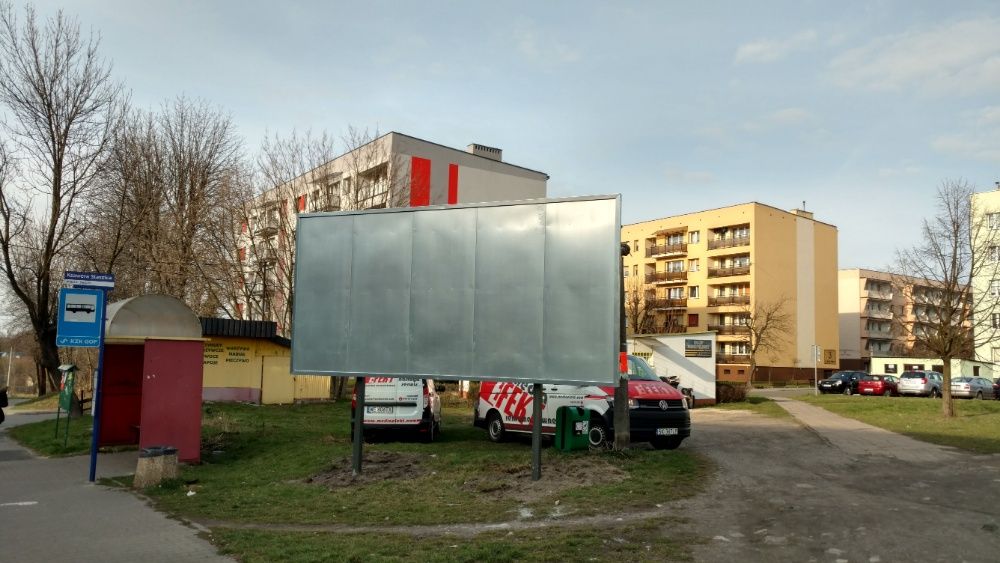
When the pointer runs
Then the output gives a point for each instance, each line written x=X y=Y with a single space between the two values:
x=151 y=316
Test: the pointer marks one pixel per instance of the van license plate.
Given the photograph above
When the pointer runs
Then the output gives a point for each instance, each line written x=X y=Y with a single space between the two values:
x=378 y=410
x=666 y=431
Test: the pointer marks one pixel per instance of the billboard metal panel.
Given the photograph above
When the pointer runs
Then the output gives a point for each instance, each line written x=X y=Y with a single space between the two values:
x=522 y=291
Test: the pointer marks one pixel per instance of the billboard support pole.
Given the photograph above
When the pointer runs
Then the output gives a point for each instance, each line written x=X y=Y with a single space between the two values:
x=359 y=411
x=536 y=432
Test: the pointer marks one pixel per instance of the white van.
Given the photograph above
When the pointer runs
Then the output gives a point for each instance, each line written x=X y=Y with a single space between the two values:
x=395 y=404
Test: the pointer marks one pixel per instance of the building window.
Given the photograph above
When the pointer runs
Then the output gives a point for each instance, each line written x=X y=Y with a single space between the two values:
x=693 y=265
x=693 y=292
x=625 y=271
x=693 y=320
x=994 y=220
x=991 y=253
x=694 y=237
x=635 y=269
x=890 y=368
x=635 y=246
x=996 y=355
x=995 y=318
x=675 y=293
x=995 y=288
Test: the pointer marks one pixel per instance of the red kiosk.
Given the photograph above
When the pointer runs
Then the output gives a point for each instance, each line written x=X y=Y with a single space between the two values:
x=152 y=376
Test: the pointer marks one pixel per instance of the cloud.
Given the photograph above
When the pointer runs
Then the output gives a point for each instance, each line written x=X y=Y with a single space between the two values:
x=688 y=177
x=771 y=50
x=542 y=48
x=897 y=171
x=952 y=58
x=782 y=118
x=973 y=145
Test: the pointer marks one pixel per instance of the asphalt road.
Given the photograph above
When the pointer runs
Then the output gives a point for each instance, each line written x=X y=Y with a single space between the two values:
x=835 y=491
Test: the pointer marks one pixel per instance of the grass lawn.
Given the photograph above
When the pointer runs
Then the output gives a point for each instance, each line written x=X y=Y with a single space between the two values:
x=650 y=540
x=44 y=403
x=976 y=426
x=759 y=405
x=257 y=462
x=40 y=436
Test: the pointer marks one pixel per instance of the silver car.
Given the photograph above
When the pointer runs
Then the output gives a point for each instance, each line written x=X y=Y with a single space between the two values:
x=921 y=383
x=971 y=388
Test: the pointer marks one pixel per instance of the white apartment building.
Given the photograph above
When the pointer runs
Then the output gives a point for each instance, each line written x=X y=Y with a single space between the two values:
x=393 y=170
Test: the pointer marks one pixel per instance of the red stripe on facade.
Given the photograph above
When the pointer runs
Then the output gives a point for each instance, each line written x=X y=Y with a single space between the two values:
x=420 y=181
x=452 y=184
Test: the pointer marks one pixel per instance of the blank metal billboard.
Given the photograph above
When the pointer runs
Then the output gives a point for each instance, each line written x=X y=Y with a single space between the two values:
x=520 y=291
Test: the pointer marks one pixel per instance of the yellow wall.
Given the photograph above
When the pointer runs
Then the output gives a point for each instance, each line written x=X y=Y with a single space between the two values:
x=254 y=369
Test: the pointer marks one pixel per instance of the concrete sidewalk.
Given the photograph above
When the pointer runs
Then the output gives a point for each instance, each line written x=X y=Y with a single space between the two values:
x=49 y=512
x=859 y=439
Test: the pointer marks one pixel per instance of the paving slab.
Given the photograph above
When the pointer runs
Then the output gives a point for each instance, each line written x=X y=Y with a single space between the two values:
x=49 y=512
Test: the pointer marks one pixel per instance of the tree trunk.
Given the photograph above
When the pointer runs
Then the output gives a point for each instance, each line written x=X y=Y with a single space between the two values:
x=947 y=405
x=40 y=379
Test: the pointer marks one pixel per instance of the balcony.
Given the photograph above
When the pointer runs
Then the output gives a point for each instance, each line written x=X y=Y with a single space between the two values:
x=669 y=329
x=878 y=314
x=728 y=300
x=664 y=303
x=730 y=330
x=876 y=334
x=732 y=358
x=876 y=295
x=267 y=228
x=726 y=272
x=667 y=277
x=729 y=242
x=666 y=249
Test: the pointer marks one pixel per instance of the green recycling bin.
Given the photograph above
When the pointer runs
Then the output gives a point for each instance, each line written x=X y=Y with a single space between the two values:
x=572 y=428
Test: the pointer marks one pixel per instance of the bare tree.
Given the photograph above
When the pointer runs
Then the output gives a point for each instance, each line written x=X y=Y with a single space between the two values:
x=638 y=310
x=62 y=108
x=768 y=326
x=958 y=250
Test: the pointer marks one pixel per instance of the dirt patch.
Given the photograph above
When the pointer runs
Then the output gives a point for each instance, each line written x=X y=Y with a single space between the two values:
x=377 y=466
x=558 y=474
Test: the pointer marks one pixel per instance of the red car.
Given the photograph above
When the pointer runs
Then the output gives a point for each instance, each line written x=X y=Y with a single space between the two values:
x=879 y=385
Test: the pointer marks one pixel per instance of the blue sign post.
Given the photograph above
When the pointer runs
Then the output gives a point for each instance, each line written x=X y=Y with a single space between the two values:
x=81 y=324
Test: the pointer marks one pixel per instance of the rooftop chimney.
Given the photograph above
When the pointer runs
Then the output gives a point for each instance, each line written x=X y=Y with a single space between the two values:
x=491 y=153
x=802 y=213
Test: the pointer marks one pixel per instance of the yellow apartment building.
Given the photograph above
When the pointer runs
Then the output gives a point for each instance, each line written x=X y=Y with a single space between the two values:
x=714 y=270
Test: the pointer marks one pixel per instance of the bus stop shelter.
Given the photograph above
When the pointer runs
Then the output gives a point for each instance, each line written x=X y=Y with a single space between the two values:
x=151 y=381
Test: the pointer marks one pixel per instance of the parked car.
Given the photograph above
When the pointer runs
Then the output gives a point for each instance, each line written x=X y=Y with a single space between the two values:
x=996 y=388
x=845 y=382
x=400 y=405
x=971 y=388
x=657 y=412
x=887 y=385
x=921 y=383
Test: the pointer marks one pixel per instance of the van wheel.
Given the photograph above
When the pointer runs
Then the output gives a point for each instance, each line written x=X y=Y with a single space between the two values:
x=598 y=435
x=671 y=443
x=494 y=427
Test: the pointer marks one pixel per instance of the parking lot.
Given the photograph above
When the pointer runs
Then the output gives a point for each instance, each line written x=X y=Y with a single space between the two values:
x=788 y=492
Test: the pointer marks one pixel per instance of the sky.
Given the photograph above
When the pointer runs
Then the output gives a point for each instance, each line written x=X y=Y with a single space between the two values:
x=858 y=109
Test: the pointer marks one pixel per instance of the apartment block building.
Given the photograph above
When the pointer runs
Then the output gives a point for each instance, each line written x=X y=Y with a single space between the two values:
x=720 y=269
x=884 y=315
x=393 y=170
x=985 y=234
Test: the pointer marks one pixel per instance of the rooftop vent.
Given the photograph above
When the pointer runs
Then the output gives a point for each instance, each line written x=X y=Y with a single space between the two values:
x=802 y=213
x=491 y=153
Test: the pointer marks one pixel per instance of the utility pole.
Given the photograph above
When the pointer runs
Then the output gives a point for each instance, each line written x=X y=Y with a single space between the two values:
x=815 y=351
x=10 y=361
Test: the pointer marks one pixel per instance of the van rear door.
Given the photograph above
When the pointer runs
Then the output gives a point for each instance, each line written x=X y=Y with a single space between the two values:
x=393 y=400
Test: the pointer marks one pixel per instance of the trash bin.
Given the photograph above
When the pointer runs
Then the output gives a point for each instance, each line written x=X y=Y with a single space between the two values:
x=170 y=463
x=572 y=428
x=149 y=470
